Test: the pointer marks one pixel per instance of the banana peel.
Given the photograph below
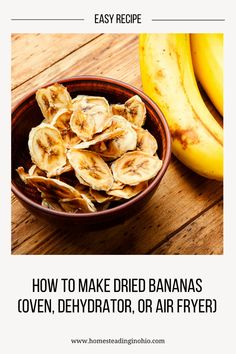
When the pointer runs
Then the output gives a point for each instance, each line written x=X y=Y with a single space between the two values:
x=207 y=56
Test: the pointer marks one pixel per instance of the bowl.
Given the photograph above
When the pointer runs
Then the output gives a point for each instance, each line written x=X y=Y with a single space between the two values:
x=26 y=114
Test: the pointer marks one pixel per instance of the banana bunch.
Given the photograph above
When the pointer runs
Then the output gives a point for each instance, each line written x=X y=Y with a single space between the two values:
x=167 y=63
x=207 y=56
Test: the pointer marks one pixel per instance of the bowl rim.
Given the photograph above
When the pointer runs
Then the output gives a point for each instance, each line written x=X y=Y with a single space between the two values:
x=127 y=203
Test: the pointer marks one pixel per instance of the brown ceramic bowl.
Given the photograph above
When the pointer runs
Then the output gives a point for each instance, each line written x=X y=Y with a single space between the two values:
x=26 y=114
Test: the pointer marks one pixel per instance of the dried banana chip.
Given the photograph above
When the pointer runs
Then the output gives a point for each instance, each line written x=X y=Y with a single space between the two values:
x=117 y=146
x=76 y=99
x=80 y=203
x=117 y=185
x=79 y=135
x=128 y=191
x=133 y=110
x=61 y=121
x=85 y=190
x=54 y=188
x=102 y=146
x=51 y=99
x=82 y=124
x=35 y=171
x=75 y=205
x=101 y=196
x=97 y=108
x=22 y=174
x=51 y=204
x=60 y=171
x=135 y=167
x=103 y=206
x=115 y=130
x=91 y=168
x=46 y=148
x=81 y=180
x=145 y=141
x=82 y=189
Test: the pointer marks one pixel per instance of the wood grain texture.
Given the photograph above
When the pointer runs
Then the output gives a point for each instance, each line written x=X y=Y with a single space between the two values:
x=186 y=207
x=170 y=208
x=193 y=239
x=32 y=53
x=111 y=55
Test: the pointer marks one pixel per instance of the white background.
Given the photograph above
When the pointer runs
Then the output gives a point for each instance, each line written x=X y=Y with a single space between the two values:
x=183 y=333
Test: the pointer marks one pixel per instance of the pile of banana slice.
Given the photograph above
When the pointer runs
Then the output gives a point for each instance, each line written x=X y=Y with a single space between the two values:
x=87 y=154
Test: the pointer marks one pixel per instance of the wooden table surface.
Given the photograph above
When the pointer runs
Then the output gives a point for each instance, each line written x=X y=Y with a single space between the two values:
x=185 y=216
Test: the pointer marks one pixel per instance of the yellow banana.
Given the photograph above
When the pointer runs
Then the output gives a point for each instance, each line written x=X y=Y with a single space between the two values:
x=211 y=108
x=207 y=55
x=168 y=78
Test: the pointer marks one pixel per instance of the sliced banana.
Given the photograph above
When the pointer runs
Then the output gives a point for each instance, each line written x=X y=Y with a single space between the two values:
x=79 y=135
x=91 y=168
x=102 y=146
x=117 y=146
x=115 y=130
x=80 y=203
x=46 y=148
x=22 y=174
x=85 y=190
x=117 y=185
x=82 y=124
x=133 y=110
x=145 y=141
x=76 y=99
x=51 y=99
x=51 y=204
x=128 y=191
x=82 y=189
x=35 y=171
x=61 y=121
x=60 y=171
x=135 y=167
x=101 y=196
x=52 y=187
x=96 y=108
x=103 y=206
x=81 y=180
x=75 y=205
